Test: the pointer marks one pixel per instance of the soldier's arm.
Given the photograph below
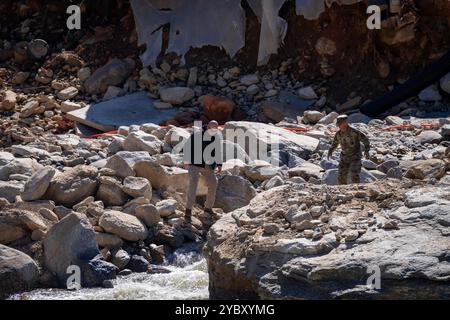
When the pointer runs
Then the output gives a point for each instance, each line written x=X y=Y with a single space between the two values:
x=365 y=141
x=334 y=145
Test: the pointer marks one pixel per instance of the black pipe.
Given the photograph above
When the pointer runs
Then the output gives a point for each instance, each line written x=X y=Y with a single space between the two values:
x=410 y=88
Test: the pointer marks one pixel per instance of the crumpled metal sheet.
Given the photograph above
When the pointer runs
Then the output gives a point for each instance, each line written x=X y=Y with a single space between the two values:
x=193 y=23
x=273 y=27
x=312 y=9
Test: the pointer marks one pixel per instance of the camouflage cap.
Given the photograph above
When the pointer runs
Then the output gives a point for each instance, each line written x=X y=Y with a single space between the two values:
x=341 y=118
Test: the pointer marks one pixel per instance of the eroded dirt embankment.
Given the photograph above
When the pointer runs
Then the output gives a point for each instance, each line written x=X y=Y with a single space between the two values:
x=337 y=46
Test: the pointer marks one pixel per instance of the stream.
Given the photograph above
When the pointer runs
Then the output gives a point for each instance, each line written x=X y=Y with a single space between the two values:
x=188 y=280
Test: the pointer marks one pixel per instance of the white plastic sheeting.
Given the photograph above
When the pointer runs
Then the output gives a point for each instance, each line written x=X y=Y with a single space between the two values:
x=193 y=23
x=273 y=27
x=196 y=23
x=312 y=9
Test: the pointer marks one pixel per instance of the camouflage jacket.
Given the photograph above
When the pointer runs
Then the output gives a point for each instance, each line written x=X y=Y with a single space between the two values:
x=350 y=142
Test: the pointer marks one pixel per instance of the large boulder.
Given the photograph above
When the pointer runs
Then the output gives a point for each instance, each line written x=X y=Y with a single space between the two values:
x=110 y=192
x=141 y=141
x=73 y=185
x=445 y=83
x=15 y=224
x=354 y=234
x=124 y=225
x=149 y=214
x=233 y=192
x=425 y=169
x=330 y=177
x=123 y=162
x=10 y=189
x=9 y=101
x=72 y=242
x=38 y=184
x=171 y=178
x=429 y=136
x=257 y=137
x=306 y=170
x=18 y=272
x=260 y=171
x=137 y=187
x=25 y=166
x=113 y=73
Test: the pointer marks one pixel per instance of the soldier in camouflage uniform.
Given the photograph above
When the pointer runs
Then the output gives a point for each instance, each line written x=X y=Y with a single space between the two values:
x=350 y=140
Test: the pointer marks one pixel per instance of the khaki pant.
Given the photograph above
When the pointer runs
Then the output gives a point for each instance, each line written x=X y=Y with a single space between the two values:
x=211 y=183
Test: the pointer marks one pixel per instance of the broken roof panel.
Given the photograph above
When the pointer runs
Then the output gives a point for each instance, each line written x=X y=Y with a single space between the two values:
x=136 y=108
x=193 y=23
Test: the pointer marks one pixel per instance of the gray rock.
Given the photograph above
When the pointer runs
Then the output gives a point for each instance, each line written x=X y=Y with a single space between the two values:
x=38 y=184
x=329 y=118
x=429 y=136
x=120 y=259
x=430 y=94
x=385 y=166
x=395 y=173
x=10 y=190
x=233 y=192
x=368 y=164
x=330 y=177
x=137 y=187
x=312 y=116
x=138 y=264
x=273 y=182
x=124 y=225
x=141 y=141
x=110 y=192
x=68 y=93
x=24 y=166
x=410 y=247
x=249 y=79
x=75 y=184
x=176 y=95
x=112 y=74
x=166 y=207
x=123 y=162
x=72 y=242
x=106 y=240
x=307 y=93
x=445 y=131
x=18 y=272
x=149 y=214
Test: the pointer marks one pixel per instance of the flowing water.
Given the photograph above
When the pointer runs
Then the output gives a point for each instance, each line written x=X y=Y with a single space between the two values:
x=188 y=279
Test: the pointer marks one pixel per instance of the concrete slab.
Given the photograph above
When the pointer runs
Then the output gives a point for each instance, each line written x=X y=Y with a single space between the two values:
x=136 y=108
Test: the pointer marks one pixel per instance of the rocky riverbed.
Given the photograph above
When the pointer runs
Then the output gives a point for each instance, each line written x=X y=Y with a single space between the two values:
x=114 y=206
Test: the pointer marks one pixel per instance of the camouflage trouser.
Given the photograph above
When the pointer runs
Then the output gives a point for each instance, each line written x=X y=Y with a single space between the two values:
x=352 y=166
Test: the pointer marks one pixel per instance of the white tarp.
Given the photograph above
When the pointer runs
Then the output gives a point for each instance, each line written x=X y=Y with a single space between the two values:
x=221 y=23
x=193 y=23
x=312 y=9
x=273 y=27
